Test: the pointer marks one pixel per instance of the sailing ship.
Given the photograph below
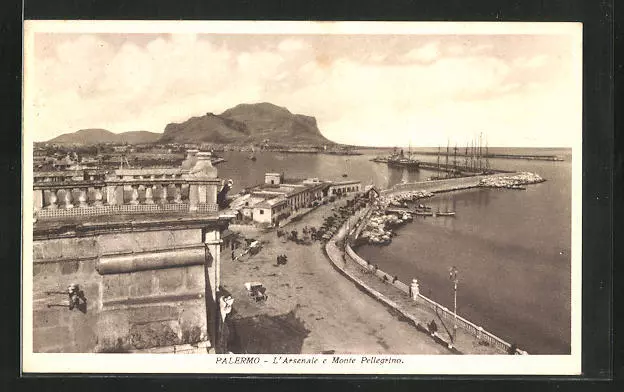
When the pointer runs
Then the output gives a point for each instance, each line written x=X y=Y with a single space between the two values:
x=447 y=212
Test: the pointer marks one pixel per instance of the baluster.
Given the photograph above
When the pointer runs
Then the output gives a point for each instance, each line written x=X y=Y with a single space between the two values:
x=38 y=197
x=68 y=199
x=53 y=199
x=135 y=195
x=82 y=199
x=98 y=197
x=149 y=195
x=177 y=196
x=163 y=194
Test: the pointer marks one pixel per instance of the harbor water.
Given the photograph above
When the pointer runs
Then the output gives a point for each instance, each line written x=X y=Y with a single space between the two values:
x=511 y=247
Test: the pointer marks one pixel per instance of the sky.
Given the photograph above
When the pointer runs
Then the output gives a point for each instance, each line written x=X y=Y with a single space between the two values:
x=374 y=90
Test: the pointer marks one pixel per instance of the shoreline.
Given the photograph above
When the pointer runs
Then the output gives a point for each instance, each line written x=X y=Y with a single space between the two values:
x=416 y=310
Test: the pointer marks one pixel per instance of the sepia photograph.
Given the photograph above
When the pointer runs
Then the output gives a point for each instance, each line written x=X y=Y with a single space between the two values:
x=302 y=197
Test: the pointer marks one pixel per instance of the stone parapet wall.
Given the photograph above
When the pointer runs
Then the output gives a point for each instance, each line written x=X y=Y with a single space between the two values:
x=140 y=307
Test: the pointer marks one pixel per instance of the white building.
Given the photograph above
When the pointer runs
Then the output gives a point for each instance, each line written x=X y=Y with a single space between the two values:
x=344 y=187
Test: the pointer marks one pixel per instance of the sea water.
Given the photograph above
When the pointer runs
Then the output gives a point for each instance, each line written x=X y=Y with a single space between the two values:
x=511 y=247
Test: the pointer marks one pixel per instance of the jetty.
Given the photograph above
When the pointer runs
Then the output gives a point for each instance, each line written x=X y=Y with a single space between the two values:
x=390 y=210
x=532 y=157
x=418 y=212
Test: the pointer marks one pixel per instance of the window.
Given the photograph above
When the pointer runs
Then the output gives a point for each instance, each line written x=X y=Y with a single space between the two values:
x=261 y=212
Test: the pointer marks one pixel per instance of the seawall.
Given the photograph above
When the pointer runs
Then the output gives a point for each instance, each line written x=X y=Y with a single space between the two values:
x=417 y=312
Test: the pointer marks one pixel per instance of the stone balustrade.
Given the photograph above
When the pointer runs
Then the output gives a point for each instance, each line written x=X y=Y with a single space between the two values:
x=123 y=191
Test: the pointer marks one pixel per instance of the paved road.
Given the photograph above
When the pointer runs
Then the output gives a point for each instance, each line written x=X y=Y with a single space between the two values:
x=336 y=313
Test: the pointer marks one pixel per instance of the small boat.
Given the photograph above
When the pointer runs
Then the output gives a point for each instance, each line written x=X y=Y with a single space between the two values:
x=446 y=213
x=252 y=156
x=345 y=175
x=423 y=213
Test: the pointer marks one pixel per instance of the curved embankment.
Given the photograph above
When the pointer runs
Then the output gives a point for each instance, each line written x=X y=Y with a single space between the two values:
x=337 y=257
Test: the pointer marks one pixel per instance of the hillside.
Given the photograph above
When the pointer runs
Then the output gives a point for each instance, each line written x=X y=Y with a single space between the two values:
x=247 y=123
x=97 y=135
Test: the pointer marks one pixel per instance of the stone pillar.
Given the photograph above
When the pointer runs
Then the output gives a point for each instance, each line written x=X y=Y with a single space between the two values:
x=193 y=197
x=163 y=194
x=135 y=195
x=149 y=197
x=98 y=197
x=37 y=199
x=211 y=194
x=414 y=289
x=53 y=199
x=212 y=239
x=82 y=198
x=201 y=193
x=68 y=199
x=111 y=195
x=177 y=196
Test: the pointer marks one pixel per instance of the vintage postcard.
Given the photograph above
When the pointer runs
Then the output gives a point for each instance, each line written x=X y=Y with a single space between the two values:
x=302 y=197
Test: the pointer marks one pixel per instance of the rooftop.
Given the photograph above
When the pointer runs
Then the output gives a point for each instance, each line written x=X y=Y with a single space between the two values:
x=271 y=203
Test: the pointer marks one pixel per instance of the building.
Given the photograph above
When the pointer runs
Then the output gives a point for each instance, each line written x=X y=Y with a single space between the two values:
x=106 y=282
x=273 y=178
x=278 y=198
x=272 y=211
x=344 y=187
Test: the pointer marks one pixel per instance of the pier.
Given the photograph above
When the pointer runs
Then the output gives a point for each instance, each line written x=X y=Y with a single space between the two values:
x=554 y=158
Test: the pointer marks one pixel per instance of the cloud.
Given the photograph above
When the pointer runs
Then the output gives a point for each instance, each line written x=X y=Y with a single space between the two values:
x=426 y=53
x=532 y=62
x=291 y=45
x=369 y=98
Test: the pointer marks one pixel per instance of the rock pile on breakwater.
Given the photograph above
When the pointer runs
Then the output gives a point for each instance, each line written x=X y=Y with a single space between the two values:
x=378 y=229
x=514 y=181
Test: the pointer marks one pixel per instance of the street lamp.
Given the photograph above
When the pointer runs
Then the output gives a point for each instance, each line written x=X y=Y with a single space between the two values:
x=453 y=277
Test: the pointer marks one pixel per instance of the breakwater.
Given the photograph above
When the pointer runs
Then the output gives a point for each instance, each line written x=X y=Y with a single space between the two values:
x=533 y=157
x=379 y=226
x=446 y=185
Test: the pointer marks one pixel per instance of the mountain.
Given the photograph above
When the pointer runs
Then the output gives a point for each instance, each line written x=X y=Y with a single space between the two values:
x=97 y=135
x=247 y=123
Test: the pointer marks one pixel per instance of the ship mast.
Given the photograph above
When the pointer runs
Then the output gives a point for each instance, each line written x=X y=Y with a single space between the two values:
x=438 y=158
x=455 y=158
x=487 y=155
x=446 y=166
x=480 y=152
x=472 y=157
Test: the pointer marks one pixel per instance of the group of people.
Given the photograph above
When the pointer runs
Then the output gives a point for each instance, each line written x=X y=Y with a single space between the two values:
x=282 y=259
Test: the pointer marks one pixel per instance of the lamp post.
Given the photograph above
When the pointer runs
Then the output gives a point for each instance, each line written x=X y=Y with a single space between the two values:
x=453 y=277
x=346 y=238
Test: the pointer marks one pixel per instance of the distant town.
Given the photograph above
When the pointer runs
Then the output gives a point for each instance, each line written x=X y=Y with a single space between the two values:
x=75 y=156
